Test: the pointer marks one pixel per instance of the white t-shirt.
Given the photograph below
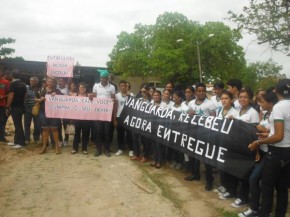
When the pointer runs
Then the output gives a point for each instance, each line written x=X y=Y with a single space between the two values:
x=179 y=109
x=184 y=107
x=251 y=116
x=281 y=112
x=168 y=105
x=63 y=90
x=121 y=102
x=204 y=108
x=217 y=102
x=104 y=92
x=265 y=123
x=232 y=112
x=237 y=105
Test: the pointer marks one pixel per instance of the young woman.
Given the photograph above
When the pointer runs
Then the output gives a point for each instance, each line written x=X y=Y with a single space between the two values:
x=227 y=111
x=82 y=127
x=267 y=101
x=48 y=124
x=158 y=148
x=249 y=115
x=276 y=171
x=145 y=96
x=166 y=98
x=73 y=89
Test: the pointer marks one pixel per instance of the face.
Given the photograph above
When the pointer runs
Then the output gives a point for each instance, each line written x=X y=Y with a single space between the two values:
x=50 y=83
x=123 y=87
x=231 y=89
x=218 y=91
x=244 y=99
x=151 y=91
x=188 y=94
x=33 y=82
x=265 y=105
x=176 y=99
x=200 y=93
x=73 y=86
x=144 y=92
x=128 y=87
x=226 y=100
x=169 y=87
x=166 y=95
x=61 y=83
x=82 y=89
x=156 y=97
x=104 y=81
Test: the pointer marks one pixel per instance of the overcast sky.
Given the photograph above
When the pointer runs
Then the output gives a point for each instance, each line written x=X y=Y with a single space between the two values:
x=88 y=29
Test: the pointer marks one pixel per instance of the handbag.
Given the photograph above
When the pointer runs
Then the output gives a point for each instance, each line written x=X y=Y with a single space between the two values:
x=70 y=129
x=35 y=109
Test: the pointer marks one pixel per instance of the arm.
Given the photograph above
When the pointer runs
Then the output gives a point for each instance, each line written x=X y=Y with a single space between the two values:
x=276 y=137
x=9 y=102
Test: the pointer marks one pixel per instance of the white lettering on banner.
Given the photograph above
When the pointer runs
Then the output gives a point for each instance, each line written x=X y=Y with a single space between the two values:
x=138 y=123
x=201 y=148
x=212 y=123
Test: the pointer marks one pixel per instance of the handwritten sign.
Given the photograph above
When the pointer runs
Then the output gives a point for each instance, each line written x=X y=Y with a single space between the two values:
x=60 y=66
x=79 y=108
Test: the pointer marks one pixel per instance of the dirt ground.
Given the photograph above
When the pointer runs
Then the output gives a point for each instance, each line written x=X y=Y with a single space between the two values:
x=66 y=185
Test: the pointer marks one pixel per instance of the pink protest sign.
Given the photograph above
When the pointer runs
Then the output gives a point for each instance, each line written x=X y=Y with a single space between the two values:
x=79 y=108
x=60 y=66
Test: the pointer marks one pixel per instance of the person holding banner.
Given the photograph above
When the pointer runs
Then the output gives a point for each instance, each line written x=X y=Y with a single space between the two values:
x=276 y=171
x=102 y=128
x=81 y=127
x=202 y=106
x=48 y=124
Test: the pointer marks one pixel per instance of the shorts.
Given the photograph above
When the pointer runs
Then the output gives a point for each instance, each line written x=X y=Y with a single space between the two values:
x=48 y=122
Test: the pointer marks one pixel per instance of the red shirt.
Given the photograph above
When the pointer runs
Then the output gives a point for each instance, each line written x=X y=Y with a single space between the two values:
x=4 y=90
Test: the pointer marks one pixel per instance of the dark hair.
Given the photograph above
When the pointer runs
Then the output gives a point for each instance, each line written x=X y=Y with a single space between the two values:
x=122 y=82
x=145 y=86
x=200 y=85
x=178 y=93
x=248 y=91
x=270 y=97
x=235 y=83
x=283 y=88
x=15 y=75
x=153 y=88
x=219 y=85
x=166 y=90
x=228 y=93
x=190 y=88
x=170 y=82
x=157 y=91
x=128 y=85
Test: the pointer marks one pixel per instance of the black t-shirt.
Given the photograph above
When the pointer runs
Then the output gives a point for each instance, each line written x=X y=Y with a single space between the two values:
x=19 y=89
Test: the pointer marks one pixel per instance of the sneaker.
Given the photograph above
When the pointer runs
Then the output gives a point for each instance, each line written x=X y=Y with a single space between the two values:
x=85 y=152
x=65 y=144
x=178 y=166
x=220 y=189
x=208 y=187
x=74 y=151
x=98 y=153
x=60 y=143
x=225 y=196
x=119 y=152
x=238 y=203
x=107 y=153
x=249 y=213
x=17 y=146
x=131 y=153
x=11 y=143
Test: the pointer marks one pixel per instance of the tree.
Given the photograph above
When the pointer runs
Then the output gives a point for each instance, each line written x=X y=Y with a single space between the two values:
x=269 y=20
x=5 y=52
x=263 y=74
x=153 y=49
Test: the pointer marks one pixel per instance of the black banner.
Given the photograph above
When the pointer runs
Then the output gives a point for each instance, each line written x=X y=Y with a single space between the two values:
x=222 y=143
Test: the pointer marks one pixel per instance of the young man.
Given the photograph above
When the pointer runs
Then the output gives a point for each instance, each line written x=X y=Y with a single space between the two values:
x=201 y=106
x=15 y=107
x=102 y=128
x=235 y=86
x=4 y=89
x=122 y=133
x=216 y=99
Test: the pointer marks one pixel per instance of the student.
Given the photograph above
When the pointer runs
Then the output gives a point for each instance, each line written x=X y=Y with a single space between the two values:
x=216 y=99
x=267 y=101
x=227 y=111
x=202 y=106
x=4 y=90
x=121 y=131
x=234 y=86
x=249 y=115
x=82 y=127
x=276 y=172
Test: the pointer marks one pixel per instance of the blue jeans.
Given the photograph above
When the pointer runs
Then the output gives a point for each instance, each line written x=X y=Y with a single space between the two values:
x=28 y=117
x=17 y=113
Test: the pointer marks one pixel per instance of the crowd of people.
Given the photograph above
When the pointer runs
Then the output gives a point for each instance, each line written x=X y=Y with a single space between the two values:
x=268 y=110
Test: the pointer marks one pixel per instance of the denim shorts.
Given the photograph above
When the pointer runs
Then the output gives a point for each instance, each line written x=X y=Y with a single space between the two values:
x=48 y=122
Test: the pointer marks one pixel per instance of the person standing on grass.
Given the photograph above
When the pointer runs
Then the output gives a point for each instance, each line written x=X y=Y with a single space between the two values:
x=15 y=107
x=4 y=90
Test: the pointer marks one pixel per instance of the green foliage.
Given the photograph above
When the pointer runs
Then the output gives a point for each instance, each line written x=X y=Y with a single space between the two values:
x=154 y=50
x=262 y=74
x=5 y=52
x=269 y=20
